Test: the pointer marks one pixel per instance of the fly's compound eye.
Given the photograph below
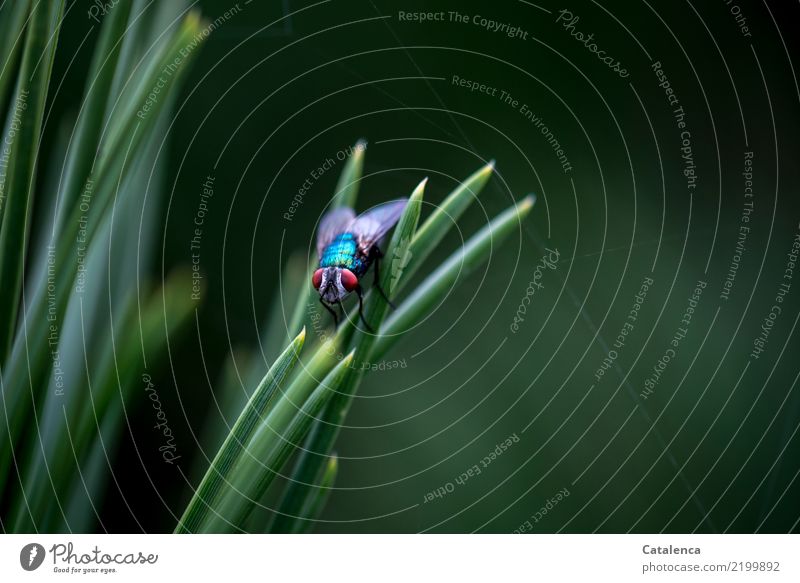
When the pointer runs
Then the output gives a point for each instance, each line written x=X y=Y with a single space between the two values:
x=316 y=279
x=349 y=280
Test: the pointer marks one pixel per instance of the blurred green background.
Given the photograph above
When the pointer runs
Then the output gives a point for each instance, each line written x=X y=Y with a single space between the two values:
x=281 y=87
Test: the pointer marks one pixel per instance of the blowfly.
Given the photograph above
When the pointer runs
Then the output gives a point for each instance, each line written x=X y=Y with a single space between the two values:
x=347 y=245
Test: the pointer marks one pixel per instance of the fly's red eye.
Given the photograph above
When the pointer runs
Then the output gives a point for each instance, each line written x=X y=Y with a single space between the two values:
x=349 y=280
x=316 y=279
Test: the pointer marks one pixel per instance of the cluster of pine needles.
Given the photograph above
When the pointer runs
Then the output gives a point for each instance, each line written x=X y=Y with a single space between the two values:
x=80 y=326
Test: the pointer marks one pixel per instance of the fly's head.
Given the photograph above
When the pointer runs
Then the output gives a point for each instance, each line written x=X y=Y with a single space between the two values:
x=334 y=283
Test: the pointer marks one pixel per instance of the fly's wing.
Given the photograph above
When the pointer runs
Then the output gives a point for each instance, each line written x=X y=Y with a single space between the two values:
x=370 y=227
x=334 y=223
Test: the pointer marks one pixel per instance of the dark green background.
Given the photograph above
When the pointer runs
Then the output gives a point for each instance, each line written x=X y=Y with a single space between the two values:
x=272 y=102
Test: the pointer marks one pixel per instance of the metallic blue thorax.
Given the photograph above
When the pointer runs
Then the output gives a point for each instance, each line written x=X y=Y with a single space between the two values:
x=343 y=252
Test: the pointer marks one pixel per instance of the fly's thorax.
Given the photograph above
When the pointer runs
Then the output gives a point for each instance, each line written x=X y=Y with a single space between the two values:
x=343 y=252
x=340 y=252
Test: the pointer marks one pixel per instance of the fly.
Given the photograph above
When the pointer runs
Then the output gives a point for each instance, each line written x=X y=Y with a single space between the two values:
x=347 y=245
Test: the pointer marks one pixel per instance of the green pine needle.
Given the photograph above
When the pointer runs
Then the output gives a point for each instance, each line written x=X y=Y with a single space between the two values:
x=202 y=504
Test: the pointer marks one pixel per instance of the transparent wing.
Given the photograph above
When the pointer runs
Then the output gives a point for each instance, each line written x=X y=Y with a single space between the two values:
x=370 y=227
x=334 y=223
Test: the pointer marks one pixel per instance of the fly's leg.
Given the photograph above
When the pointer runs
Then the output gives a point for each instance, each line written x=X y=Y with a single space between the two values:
x=332 y=311
x=360 y=293
x=376 y=281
